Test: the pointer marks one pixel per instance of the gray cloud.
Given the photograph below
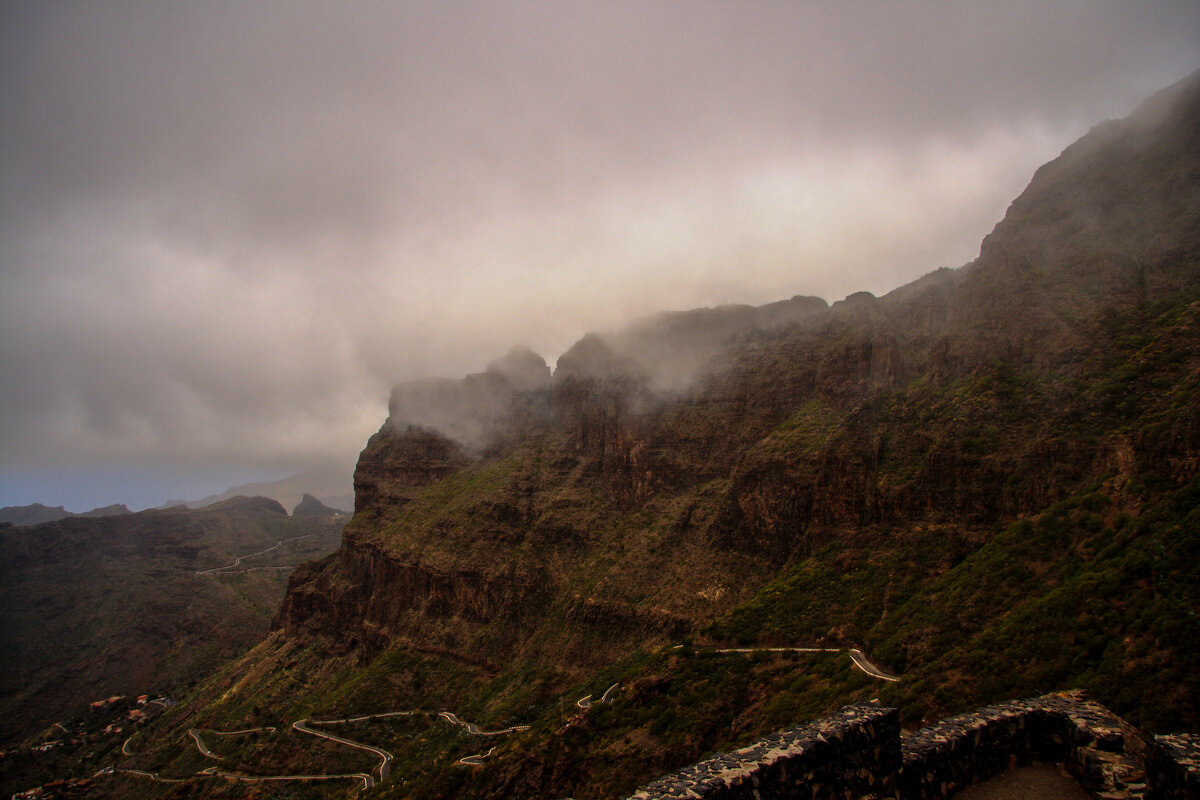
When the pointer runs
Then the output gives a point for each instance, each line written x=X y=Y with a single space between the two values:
x=227 y=229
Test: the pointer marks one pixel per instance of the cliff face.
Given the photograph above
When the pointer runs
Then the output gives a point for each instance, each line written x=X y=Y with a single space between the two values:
x=663 y=474
x=396 y=462
x=988 y=480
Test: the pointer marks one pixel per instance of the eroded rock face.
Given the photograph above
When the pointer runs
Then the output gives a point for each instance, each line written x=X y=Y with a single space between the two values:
x=395 y=461
x=750 y=436
x=371 y=596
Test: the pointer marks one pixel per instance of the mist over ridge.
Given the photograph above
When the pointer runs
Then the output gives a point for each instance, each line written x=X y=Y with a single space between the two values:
x=713 y=523
x=227 y=231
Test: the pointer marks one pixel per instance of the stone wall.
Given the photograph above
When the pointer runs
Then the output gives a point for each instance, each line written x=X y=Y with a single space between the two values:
x=1173 y=764
x=1063 y=728
x=860 y=753
x=854 y=753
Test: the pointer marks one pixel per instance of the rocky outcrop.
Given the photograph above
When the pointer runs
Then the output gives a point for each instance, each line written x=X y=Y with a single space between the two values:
x=37 y=513
x=248 y=505
x=116 y=509
x=479 y=411
x=373 y=597
x=398 y=460
x=34 y=514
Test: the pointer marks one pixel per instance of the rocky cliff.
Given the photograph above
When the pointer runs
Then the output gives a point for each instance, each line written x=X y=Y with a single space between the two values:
x=988 y=479
x=662 y=472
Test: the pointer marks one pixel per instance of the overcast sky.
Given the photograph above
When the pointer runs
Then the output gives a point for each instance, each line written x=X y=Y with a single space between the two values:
x=227 y=228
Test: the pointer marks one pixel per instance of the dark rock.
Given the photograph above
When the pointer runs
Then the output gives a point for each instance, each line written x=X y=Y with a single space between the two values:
x=310 y=506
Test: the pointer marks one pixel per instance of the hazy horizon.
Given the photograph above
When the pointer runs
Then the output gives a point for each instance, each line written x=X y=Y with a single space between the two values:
x=226 y=230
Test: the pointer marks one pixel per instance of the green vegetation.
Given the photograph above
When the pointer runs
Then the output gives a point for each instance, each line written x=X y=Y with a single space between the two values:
x=92 y=607
x=987 y=481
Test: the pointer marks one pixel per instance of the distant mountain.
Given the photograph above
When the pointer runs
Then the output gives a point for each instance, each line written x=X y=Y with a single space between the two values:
x=330 y=484
x=37 y=513
x=115 y=509
x=312 y=507
x=34 y=514
x=92 y=606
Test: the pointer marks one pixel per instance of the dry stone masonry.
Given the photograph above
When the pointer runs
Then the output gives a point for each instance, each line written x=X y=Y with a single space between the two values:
x=854 y=753
x=860 y=753
x=1174 y=763
x=1097 y=747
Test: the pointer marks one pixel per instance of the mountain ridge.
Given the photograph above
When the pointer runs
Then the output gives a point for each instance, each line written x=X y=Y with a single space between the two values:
x=36 y=513
x=330 y=484
x=987 y=479
x=608 y=421
x=126 y=604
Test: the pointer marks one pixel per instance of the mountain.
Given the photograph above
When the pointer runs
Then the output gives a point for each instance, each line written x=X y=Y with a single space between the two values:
x=330 y=484
x=310 y=506
x=37 y=513
x=985 y=482
x=113 y=510
x=97 y=606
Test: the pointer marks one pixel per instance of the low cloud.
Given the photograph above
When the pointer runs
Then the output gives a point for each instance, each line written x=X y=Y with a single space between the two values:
x=227 y=230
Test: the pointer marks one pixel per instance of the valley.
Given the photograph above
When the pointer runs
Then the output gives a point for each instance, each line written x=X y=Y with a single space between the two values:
x=129 y=604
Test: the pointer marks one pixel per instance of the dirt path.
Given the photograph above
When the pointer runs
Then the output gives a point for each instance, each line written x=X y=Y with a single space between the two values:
x=1043 y=781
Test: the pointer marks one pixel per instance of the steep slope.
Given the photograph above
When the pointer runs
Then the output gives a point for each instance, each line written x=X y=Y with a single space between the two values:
x=987 y=479
x=954 y=400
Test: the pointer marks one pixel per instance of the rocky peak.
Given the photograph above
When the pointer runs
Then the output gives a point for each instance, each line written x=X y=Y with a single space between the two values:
x=593 y=357
x=310 y=506
x=33 y=514
x=523 y=370
x=116 y=509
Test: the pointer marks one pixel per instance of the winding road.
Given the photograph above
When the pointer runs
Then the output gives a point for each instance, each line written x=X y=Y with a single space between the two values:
x=154 y=776
x=858 y=657
x=364 y=717
x=203 y=748
x=860 y=660
x=238 y=561
x=367 y=780
x=385 y=763
x=475 y=730
x=475 y=761
x=586 y=702
x=299 y=725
